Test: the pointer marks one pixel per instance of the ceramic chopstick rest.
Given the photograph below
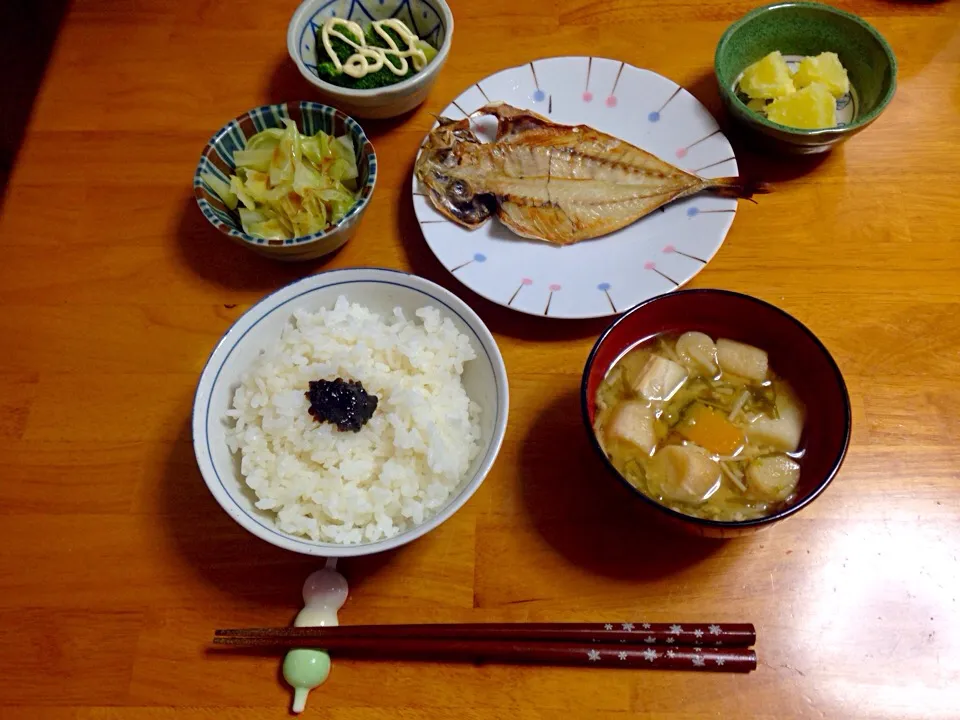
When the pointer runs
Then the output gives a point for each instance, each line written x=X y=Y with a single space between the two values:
x=324 y=593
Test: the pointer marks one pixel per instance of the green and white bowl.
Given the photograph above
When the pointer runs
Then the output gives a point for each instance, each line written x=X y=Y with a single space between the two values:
x=807 y=28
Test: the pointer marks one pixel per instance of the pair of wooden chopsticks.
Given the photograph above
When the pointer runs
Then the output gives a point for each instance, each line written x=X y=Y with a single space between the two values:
x=714 y=647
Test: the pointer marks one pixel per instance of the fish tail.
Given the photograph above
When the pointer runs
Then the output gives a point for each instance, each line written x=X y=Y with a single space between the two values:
x=443 y=121
x=737 y=187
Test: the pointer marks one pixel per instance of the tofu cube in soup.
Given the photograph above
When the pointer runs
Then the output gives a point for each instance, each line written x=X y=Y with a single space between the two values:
x=632 y=422
x=658 y=379
x=773 y=477
x=743 y=360
x=783 y=432
x=684 y=473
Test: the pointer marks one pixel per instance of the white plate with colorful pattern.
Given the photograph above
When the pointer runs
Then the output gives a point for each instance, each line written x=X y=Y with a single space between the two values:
x=607 y=275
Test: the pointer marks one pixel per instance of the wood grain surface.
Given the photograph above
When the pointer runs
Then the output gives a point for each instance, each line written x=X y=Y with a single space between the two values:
x=116 y=564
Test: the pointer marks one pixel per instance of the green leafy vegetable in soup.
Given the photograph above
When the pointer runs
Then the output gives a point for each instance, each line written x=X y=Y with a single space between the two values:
x=384 y=53
x=290 y=185
x=703 y=427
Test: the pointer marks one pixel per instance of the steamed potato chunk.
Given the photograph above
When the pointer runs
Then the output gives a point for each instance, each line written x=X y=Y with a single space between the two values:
x=804 y=98
x=767 y=78
x=825 y=69
x=632 y=423
x=812 y=108
x=684 y=473
x=659 y=379
x=743 y=360
x=782 y=433
x=773 y=477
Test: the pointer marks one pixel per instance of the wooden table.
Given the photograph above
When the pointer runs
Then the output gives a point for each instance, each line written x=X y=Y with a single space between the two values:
x=116 y=563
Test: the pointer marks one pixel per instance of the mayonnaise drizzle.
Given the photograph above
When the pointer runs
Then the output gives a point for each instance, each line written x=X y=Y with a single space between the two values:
x=369 y=59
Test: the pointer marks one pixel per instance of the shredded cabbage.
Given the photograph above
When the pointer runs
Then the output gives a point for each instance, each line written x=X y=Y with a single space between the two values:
x=289 y=185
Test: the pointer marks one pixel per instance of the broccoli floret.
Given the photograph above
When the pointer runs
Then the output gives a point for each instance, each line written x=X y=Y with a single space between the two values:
x=329 y=73
x=382 y=77
x=343 y=50
x=374 y=40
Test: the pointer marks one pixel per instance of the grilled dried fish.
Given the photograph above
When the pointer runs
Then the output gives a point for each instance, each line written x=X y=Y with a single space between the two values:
x=551 y=182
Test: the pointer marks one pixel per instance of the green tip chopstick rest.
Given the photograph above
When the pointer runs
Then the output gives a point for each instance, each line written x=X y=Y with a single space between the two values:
x=324 y=593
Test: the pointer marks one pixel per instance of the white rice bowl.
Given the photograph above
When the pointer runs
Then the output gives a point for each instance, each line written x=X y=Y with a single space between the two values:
x=403 y=465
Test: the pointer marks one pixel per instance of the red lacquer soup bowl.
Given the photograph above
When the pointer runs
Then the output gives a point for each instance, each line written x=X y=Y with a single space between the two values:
x=795 y=354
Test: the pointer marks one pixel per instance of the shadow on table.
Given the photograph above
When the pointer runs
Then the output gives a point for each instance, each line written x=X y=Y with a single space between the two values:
x=214 y=257
x=586 y=514
x=499 y=319
x=286 y=83
x=28 y=31
x=225 y=555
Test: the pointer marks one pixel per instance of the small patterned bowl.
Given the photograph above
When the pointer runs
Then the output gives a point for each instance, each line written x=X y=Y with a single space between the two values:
x=217 y=158
x=795 y=354
x=430 y=19
x=807 y=28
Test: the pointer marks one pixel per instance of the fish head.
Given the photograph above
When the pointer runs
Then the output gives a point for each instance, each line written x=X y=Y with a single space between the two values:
x=440 y=170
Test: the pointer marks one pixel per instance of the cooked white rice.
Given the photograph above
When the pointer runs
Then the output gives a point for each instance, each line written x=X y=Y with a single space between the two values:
x=402 y=466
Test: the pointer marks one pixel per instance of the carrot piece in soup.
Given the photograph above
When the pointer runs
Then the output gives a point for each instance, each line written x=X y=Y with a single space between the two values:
x=710 y=429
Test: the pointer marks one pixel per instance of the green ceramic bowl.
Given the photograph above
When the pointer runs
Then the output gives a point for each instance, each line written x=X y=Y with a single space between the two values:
x=807 y=28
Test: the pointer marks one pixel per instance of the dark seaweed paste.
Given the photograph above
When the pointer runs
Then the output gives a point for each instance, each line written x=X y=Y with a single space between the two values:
x=342 y=402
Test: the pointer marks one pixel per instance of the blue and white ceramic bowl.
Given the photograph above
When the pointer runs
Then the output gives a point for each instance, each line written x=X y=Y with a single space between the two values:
x=430 y=19
x=380 y=290
x=217 y=158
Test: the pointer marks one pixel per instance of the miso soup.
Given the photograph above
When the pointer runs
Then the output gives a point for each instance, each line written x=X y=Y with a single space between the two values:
x=704 y=427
